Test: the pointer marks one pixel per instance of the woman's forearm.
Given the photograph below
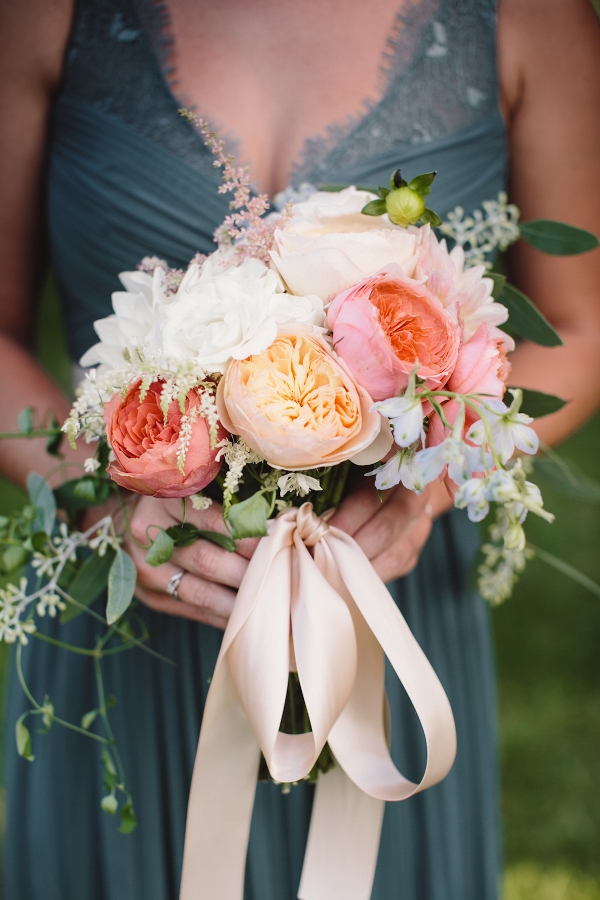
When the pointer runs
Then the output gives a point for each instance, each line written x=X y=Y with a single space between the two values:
x=26 y=384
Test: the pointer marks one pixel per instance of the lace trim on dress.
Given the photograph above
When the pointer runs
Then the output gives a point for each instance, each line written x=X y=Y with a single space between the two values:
x=438 y=78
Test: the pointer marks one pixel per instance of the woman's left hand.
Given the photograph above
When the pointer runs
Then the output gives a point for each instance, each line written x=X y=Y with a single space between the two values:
x=391 y=531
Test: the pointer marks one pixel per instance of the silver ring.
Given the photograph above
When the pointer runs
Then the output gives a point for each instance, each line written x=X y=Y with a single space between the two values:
x=174 y=584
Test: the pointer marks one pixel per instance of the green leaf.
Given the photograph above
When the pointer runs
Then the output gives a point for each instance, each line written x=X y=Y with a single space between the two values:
x=499 y=282
x=538 y=404
x=54 y=442
x=374 y=208
x=23 y=740
x=527 y=321
x=25 y=420
x=557 y=238
x=109 y=804
x=186 y=534
x=223 y=540
x=249 y=518
x=42 y=498
x=568 y=478
x=88 y=583
x=85 y=489
x=109 y=778
x=422 y=184
x=429 y=217
x=39 y=541
x=121 y=585
x=88 y=720
x=13 y=558
x=161 y=550
x=67 y=498
x=128 y=819
x=383 y=192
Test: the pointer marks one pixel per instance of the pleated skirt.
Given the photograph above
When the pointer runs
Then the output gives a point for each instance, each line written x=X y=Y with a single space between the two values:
x=443 y=844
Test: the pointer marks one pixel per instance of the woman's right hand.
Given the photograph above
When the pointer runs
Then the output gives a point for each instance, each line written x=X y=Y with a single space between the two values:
x=211 y=576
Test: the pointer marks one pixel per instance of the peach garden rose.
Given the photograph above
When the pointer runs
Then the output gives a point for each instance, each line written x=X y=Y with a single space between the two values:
x=146 y=445
x=297 y=405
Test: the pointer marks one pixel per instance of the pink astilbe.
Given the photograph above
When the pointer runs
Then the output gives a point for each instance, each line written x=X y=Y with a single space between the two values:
x=245 y=222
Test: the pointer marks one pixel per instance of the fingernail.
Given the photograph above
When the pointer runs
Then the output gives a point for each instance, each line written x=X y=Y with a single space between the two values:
x=429 y=510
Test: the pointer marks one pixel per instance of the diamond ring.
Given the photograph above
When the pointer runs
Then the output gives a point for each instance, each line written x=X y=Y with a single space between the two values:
x=174 y=584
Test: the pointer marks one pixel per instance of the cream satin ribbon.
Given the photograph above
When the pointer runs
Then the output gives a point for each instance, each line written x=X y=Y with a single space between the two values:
x=343 y=620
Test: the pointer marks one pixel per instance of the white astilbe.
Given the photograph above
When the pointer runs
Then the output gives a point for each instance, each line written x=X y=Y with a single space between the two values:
x=237 y=455
x=484 y=232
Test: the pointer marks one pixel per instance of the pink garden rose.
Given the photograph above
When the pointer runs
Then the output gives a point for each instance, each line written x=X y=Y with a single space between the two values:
x=481 y=368
x=146 y=446
x=298 y=406
x=385 y=324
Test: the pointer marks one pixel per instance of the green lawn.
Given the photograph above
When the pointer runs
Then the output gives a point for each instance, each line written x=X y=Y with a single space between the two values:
x=547 y=640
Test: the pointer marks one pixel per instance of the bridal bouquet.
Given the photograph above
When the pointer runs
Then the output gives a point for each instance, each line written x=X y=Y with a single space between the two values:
x=338 y=335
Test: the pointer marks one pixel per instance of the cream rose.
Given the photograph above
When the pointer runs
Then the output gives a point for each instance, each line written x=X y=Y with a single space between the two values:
x=328 y=245
x=297 y=405
x=230 y=315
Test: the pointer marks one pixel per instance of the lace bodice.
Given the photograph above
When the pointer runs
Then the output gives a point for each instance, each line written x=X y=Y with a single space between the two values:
x=439 y=78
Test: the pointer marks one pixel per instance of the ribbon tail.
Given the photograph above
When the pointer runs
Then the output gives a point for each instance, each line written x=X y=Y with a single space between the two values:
x=221 y=797
x=343 y=841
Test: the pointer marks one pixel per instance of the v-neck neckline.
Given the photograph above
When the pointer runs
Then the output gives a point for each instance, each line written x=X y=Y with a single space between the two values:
x=333 y=135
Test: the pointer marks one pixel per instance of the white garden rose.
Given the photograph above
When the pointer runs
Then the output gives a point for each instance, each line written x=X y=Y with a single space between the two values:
x=136 y=310
x=231 y=315
x=329 y=245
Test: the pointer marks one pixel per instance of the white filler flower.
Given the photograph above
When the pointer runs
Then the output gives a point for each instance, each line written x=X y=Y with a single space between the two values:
x=231 y=315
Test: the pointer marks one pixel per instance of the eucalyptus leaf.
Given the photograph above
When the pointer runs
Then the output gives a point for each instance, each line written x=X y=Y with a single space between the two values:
x=527 y=321
x=538 y=404
x=39 y=541
x=13 y=558
x=222 y=540
x=429 y=217
x=374 y=208
x=161 y=550
x=249 y=518
x=121 y=585
x=25 y=420
x=68 y=499
x=557 y=238
x=128 y=819
x=499 y=283
x=88 y=583
x=422 y=183
x=568 y=478
x=85 y=489
x=42 y=498
x=23 y=740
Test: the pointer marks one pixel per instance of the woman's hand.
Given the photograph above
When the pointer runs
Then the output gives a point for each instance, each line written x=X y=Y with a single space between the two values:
x=391 y=531
x=211 y=576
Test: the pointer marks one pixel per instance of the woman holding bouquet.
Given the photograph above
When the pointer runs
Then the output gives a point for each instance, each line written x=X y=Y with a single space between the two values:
x=99 y=167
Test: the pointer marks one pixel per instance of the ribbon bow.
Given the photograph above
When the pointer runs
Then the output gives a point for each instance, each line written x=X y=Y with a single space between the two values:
x=342 y=621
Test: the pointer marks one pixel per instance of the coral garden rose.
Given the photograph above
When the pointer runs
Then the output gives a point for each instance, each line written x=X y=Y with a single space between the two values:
x=297 y=406
x=386 y=324
x=330 y=245
x=146 y=444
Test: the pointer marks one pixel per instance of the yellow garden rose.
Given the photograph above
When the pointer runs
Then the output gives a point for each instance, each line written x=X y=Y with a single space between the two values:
x=297 y=405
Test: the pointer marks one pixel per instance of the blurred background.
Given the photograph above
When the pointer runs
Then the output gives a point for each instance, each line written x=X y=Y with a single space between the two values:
x=547 y=640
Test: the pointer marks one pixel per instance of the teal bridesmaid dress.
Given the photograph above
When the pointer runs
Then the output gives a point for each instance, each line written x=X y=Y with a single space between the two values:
x=128 y=177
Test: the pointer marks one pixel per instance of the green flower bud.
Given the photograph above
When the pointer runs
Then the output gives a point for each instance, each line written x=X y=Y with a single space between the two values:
x=514 y=537
x=404 y=206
